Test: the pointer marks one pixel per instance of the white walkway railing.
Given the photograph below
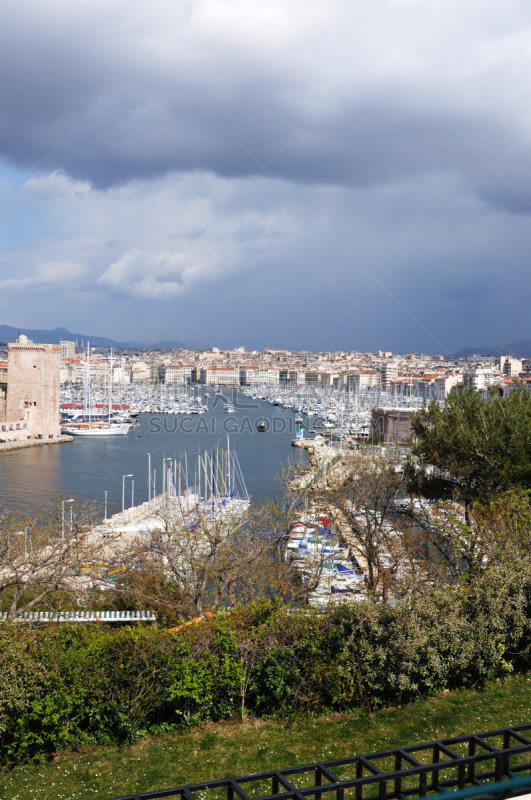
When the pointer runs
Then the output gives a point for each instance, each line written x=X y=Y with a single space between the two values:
x=82 y=616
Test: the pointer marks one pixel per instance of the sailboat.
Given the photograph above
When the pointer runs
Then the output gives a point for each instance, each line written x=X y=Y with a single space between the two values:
x=90 y=425
x=213 y=489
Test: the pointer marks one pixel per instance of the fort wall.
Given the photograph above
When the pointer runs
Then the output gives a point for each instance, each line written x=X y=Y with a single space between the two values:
x=33 y=392
x=393 y=424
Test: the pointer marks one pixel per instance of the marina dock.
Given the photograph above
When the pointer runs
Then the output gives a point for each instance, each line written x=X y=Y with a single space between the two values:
x=21 y=444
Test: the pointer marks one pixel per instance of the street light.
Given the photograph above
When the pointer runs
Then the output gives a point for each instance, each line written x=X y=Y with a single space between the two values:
x=24 y=533
x=149 y=485
x=149 y=500
x=123 y=496
x=165 y=484
x=63 y=517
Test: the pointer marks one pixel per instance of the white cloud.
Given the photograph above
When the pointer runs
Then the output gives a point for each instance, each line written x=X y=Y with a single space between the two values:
x=158 y=238
x=155 y=275
x=54 y=276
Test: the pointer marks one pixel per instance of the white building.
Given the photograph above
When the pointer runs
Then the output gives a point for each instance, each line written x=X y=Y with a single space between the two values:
x=512 y=367
x=293 y=377
x=174 y=373
x=220 y=376
x=121 y=375
x=68 y=349
x=388 y=375
x=444 y=385
x=257 y=375
x=362 y=381
x=479 y=377
x=140 y=371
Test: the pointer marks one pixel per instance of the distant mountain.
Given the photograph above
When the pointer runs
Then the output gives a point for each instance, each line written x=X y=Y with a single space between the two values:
x=171 y=345
x=517 y=350
x=9 y=334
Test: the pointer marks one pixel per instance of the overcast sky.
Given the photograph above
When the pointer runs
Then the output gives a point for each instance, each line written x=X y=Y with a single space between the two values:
x=314 y=175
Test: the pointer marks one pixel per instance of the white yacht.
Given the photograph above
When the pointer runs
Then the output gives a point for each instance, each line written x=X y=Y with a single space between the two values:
x=96 y=428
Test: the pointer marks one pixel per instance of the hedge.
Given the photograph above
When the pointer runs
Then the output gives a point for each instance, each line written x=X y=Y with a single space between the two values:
x=66 y=686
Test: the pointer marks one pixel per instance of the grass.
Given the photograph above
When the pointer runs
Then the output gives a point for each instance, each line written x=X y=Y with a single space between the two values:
x=227 y=749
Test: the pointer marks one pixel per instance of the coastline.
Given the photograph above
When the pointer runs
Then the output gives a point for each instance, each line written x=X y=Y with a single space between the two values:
x=8 y=446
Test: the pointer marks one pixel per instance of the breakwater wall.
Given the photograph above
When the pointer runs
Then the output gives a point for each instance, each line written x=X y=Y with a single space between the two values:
x=20 y=445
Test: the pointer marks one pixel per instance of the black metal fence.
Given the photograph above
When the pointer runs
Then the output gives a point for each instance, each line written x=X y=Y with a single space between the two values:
x=491 y=763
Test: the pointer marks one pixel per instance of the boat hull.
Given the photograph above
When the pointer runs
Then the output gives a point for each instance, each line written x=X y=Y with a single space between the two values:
x=113 y=430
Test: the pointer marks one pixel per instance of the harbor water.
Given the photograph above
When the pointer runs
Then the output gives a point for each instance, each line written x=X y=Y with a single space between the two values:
x=31 y=479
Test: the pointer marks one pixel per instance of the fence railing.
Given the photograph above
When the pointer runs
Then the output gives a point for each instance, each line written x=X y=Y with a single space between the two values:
x=494 y=764
x=82 y=616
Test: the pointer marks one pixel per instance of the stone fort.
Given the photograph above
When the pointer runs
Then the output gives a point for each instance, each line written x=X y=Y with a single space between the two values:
x=30 y=408
x=393 y=424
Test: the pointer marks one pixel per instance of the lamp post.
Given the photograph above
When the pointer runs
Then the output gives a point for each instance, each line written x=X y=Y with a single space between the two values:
x=149 y=485
x=165 y=486
x=24 y=533
x=123 y=496
x=63 y=517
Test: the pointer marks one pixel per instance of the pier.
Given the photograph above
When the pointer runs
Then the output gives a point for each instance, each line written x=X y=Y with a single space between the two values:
x=210 y=485
x=20 y=444
x=148 y=516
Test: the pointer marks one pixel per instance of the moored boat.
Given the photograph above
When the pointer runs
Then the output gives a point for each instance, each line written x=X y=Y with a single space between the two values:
x=96 y=429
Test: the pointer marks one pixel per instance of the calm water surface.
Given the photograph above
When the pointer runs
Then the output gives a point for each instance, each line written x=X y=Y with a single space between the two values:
x=30 y=479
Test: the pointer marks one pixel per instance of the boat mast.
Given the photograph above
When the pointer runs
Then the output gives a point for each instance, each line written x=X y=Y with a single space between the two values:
x=110 y=388
x=199 y=478
x=228 y=466
x=88 y=384
x=213 y=470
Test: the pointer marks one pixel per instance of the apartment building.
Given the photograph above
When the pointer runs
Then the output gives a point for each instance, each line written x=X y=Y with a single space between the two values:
x=292 y=376
x=479 y=377
x=255 y=375
x=388 y=374
x=175 y=373
x=68 y=349
x=362 y=381
x=443 y=385
x=512 y=367
x=220 y=376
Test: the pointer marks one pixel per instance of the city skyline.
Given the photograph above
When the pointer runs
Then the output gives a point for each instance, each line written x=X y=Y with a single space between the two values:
x=520 y=349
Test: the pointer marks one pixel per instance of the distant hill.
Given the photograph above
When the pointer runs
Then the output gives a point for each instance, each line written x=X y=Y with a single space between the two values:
x=9 y=334
x=517 y=350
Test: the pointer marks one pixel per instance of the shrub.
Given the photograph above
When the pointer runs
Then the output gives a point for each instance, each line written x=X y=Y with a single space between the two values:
x=65 y=686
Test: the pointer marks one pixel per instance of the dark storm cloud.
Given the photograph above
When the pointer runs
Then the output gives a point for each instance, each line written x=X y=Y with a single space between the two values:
x=65 y=104
x=404 y=161
x=145 y=130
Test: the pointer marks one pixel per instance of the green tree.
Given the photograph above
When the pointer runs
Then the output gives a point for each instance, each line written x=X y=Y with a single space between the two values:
x=474 y=447
x=498 y=534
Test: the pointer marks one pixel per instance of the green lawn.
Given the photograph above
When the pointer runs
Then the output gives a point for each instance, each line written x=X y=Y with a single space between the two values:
x=223 y=750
